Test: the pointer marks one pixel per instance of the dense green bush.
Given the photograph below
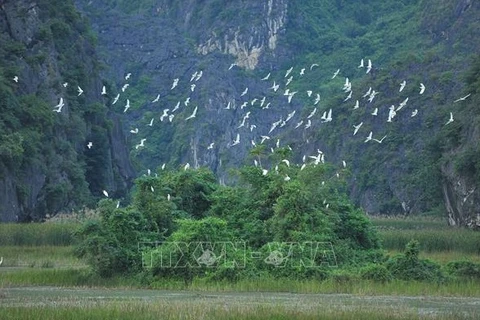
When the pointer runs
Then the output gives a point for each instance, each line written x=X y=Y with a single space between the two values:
x=464 y=269
x=376 y=272
x=193 y=227
x=408 y=266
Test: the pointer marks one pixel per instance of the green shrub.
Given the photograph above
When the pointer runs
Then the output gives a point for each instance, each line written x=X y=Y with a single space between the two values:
x=464 y=269
x=408 y=266
x=376 y=272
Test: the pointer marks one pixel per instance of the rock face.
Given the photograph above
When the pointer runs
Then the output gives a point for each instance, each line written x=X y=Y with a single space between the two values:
x=235 y=44
x=224 y=57
x=45 y=44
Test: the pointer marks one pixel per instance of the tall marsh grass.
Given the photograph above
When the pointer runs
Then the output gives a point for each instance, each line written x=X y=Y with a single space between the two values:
x=37 y=234
x=431 y=240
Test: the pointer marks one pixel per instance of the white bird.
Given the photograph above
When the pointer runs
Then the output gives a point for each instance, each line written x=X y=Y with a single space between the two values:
x=287 y=178
x=89 y=145
x=170 y=117
x=348 y=97
x=118 y=204
x=264 y=138
x=262 y=102
x=192 y=87
x=15 y=79
x=450 y=120
x=286 y=162
x=369 y=66
x=375 y=112
x=176 y=106
x=275 y=86
x=313 y=65
x=169 y=197
x=312 y=113
x=367 y=93
x=317 y=158
x=175 y=83
x=104 y=91
x=402 y=104
x=79 y=90
x=252 y=126
x=141 y=144
x=422 y=88
x=372 y=96
x=290 y=116
x=164 y=115
x=59 y=106
x=357 y=127
x=309 y=124
x=290 y=96
x=236 y=141
x=317 y=99
x=186 y=102
x=402 y=85
x=361 y=64
x=348 y=85
x=289 y=80
x=264 y=172
x=302 y=71
x=151 y=122
x=105 y=193
x=336 y=73
x=369 y=137
x=309 y=93
x=391 y=113
x=462 y=98
x=125 y=86
x=298 y=124
x=194 y=75
x=199 y=75
x=116 y=99
x=210 y=146
x=414 y=113
x=65 y=84
x=379 y=141
x=357 y=105
x=128 y=76
x=266 y=77
x=134 y=131
x=187 y=166
x=193 y=115
x=303 y=167
x=127 y=106
x=277 y=144
x=329 y=116
x=163 y=166
x=152 y=189
x=244 y=92
x=288 y=72
x=344 y=163
x=231 y=66
x=156 y=99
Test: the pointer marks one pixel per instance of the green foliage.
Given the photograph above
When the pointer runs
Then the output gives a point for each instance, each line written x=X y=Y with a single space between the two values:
x=376 y=272
x=409 y=266
x=110 y=244
x=267 y=212
x=464 y=269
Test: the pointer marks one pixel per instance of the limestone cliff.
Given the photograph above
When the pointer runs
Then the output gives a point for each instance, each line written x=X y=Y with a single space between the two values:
x=46 y=52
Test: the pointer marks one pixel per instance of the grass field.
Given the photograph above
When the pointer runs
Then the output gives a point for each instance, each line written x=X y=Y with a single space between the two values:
x=43 y=255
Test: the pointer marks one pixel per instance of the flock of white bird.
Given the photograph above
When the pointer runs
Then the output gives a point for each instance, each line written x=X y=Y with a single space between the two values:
x=244 y=101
